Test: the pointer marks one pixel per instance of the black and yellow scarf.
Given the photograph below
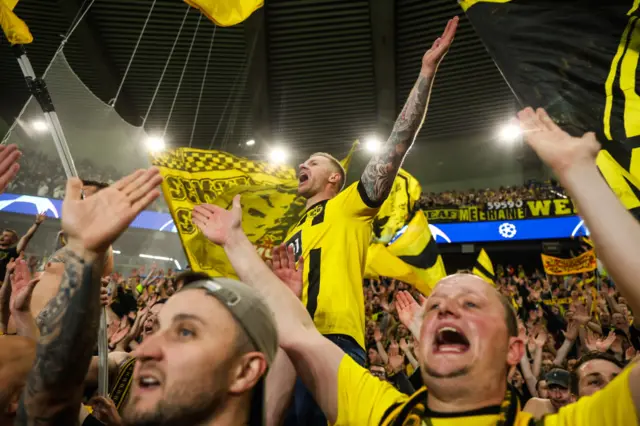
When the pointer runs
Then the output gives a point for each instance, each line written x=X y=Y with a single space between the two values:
x=120 y=389
x=413 y=412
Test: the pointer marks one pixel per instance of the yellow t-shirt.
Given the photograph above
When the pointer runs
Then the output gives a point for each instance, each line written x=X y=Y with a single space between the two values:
x=333 y=237
x=364 y=400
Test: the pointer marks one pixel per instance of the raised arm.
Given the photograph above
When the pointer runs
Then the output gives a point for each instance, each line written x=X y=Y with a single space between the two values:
x=24 y=241
x=383 y=167
x=69 y=327
x=315 y=358
x=613 y=229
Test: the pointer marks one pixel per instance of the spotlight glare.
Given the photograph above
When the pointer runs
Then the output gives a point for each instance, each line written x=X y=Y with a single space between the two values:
x=372 y=144
x=39 y=126
x=155 y=143
x=251 y=142
x=278 y=155
x=510 y=132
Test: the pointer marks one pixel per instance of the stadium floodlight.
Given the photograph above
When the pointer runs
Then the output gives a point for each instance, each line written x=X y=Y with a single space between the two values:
x=39 y=126
x=278 y=155
x=155 y=143
x=151 y=256
x=250 y=142
x=372 y=144
x=510 y=132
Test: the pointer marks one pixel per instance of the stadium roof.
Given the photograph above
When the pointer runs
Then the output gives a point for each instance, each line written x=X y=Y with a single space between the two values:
x=311 y=74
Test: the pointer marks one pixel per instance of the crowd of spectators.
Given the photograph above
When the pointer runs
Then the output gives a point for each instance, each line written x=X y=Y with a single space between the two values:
x=532 y=190
x=44 y=176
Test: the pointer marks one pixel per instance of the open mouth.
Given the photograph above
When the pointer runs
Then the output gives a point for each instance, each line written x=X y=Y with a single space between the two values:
x=148 y=382
x=303 y=177
x=451 y=340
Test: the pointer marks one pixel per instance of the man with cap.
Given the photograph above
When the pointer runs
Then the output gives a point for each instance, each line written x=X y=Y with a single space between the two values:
x=206 y=361
x=558 y=383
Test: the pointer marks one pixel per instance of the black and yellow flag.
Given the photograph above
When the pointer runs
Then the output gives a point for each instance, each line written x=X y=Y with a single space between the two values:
x=13 y=27
x=412 y=258
x=270 y=201
x=398 y=208
x=226 y=13
x=484 y=268
x=579 y=61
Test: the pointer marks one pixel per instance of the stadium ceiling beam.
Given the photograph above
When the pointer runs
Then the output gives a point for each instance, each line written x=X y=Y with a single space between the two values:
x=255 y=32
x=88 y=38
x=383 y=33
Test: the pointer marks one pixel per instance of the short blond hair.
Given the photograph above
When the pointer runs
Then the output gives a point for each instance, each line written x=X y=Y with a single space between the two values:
x=334 y=161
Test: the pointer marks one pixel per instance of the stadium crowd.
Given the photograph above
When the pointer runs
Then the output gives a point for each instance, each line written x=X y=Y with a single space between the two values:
x=532 y=190
x=288 y=342
x=46 y=179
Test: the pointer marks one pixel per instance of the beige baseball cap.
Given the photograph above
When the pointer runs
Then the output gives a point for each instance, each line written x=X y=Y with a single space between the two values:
x=256 y=319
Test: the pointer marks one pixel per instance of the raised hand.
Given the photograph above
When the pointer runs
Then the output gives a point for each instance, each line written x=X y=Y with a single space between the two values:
x=22 y=286
x=410 y=311
x=404 y=345
x=105 y=411
x=40 y=217
x=9 y=156
x=554 y=146
x=283 y=265
x=440 y=47
x=396 y=363
x=217 y=223
x=603 y=345
x=377 y=334
x=541 y=339
x=94 y=223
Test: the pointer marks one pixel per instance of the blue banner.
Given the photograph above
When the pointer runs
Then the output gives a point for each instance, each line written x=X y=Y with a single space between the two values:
x=471 y=232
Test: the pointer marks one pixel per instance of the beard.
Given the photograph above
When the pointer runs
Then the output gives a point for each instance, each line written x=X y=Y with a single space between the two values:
x=190 y=405
x=457 y=373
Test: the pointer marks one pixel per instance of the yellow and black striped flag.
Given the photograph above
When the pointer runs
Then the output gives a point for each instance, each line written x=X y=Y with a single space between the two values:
x=412 y=258
x=398 y=208
x=270 y=201
x=579 y=61
x=484 y=268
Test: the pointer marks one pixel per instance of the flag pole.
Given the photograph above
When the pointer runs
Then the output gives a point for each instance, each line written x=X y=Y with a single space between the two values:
x=38 y=89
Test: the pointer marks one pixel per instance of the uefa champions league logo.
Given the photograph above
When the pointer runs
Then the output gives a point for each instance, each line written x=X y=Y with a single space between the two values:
x=507 y=230
x=42 y=205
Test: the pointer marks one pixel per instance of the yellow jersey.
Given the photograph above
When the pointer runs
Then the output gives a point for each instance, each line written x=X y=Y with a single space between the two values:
x=333 y=237
x=365 y=400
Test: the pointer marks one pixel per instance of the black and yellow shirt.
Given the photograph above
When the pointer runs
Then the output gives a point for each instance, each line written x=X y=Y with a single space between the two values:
x=365 y=400
x=333 y=237
x=6 y=254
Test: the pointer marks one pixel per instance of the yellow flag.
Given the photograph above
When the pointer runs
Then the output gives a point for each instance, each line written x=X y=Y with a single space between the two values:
x=398 y=208
x=226 y=13
x=14 y=28
x=484 y=268
x=270 y=201
x=586 y=262
x=412 y=258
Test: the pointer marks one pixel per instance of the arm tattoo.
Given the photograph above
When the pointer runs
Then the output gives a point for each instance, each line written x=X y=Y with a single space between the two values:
x=68 y=336
x=382 y=169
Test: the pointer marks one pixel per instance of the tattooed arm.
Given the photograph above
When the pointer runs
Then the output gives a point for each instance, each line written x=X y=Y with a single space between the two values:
x=68 y=335
x=383 y=167
x=70 y=321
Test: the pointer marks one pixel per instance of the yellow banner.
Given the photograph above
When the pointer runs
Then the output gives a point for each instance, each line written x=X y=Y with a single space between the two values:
x=270 y=203
x=586 y=262
x=502 y=210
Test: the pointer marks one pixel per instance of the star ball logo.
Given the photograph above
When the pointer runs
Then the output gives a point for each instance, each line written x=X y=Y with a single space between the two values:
x=507 y=230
